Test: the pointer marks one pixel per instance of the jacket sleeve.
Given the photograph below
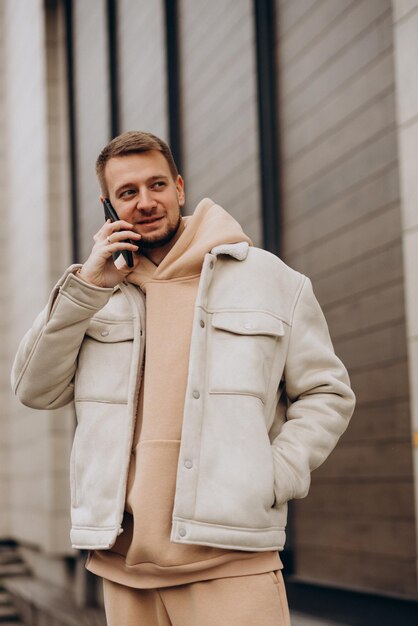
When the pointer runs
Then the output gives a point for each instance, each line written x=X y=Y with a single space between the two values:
x=320 y=400
x=45 y=363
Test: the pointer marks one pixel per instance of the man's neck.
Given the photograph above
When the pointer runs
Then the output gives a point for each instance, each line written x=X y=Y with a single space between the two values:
x=156 y=255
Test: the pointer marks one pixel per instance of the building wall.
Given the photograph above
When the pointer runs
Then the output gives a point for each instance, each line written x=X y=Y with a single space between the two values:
x=218 y=111
x=406 y=50
x=37 y=215
x=5 y=316
x=142 y=71
x=92 y=113
x=342 y=227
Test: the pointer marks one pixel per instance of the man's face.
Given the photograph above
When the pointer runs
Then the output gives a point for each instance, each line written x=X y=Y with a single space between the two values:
x=143 y=192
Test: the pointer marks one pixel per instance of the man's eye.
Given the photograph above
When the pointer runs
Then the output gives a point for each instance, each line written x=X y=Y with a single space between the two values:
x=158 y=184
x=127 y=192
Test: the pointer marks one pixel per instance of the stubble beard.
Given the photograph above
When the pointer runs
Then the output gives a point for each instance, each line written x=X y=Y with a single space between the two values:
x=151 y=244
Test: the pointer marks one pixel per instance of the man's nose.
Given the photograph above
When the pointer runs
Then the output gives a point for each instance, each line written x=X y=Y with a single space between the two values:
x=146 y=201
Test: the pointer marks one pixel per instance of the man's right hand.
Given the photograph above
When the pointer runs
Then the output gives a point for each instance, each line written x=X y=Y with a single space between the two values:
x=100 y=269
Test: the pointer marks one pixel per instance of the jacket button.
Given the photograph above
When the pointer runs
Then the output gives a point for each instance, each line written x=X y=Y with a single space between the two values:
x=196 y=395
x=211 y=265
x=182 y=532
x=104 y=333
x=202 y=323
x=188 y=464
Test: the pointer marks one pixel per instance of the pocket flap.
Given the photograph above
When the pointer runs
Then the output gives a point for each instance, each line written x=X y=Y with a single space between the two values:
x=248 y=323
x=110 y=332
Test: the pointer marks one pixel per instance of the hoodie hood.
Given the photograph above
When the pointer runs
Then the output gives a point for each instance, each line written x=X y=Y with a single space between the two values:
x=209 y=226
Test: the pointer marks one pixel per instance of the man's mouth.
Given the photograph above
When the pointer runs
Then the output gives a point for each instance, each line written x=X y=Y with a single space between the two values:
x=150 y=220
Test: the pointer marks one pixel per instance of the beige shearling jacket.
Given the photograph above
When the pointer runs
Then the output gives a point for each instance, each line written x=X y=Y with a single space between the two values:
x=266 y=400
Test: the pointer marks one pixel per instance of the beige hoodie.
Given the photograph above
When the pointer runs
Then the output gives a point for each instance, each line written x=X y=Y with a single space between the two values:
x=143 y=555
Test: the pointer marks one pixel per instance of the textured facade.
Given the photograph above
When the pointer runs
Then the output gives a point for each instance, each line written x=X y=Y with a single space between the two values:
x=219 y=113
x=36 y=180
x=342 y=225
x=405 y=15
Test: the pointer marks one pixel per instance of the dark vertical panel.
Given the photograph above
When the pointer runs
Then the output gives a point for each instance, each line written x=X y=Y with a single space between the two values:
x=113 y=67
x=265 y=20
x=69 y=22
x=173 y=80
x=264 y=12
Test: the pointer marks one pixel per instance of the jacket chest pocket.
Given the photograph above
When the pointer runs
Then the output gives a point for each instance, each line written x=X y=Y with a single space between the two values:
x=104 y=362
x=243 y=346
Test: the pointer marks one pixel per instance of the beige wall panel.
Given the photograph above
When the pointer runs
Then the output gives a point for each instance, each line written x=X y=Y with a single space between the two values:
x=352 y=24
x=361 y=275
x=293 y=14
x=374 y=232
x=413 y=372
x=5 y=315
x=373 y=195
x=387 y=538
x=41 y=235
x=92 y=112
x=368 y=311
x=219 y=108
x=356 y=95
x=368 y=459
x=142 y=85
x=382 y=421
x=408 y=142
x=368 y=349
x=390 y=499
x=312 y=28
x=59 y=226
x=365 y=162
x=380 y=574
x=38 y=207
x=405 y=38
x=230 y=117
x=402 y=9
x=406 y=68
x=335 y=75
x=335 y=146
x=25 y=74
x=342 y=227
x=380 y=383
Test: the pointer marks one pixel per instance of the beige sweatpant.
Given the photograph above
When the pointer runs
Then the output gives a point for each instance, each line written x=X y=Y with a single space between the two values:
x=255 y=600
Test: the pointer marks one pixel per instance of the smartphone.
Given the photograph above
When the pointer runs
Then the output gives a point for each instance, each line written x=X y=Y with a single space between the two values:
x=111 y=214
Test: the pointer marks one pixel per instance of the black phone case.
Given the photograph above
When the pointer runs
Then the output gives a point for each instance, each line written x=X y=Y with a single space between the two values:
x=111 y=214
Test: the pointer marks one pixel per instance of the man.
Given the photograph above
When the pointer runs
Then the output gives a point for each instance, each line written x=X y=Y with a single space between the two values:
x=206 y=389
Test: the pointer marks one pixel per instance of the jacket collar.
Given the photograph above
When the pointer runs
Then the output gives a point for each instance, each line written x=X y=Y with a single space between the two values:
x=237 y=250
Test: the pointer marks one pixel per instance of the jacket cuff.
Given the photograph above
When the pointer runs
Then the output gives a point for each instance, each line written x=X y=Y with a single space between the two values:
x=284 y=481
x=83 y=293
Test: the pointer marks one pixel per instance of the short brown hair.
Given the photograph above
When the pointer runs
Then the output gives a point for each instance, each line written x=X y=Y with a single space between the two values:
x=132 y=142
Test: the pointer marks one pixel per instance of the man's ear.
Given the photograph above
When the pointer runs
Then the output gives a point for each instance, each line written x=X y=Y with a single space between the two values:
x=180 y=190
x=101 y=198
